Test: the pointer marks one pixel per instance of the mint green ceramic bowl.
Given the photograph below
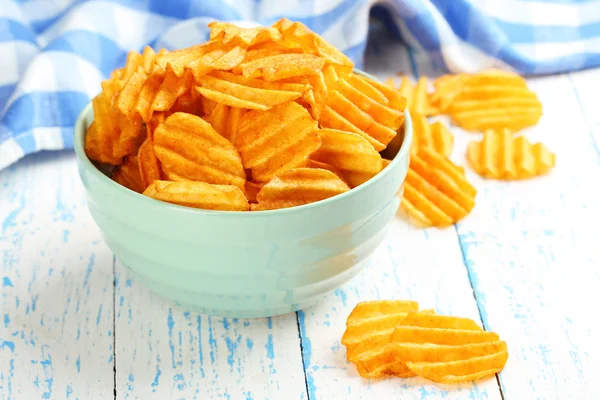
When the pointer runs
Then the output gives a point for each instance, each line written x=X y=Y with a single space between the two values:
x=243 y=264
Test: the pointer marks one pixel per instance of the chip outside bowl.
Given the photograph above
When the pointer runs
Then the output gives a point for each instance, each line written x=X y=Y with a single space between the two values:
x=243 y=264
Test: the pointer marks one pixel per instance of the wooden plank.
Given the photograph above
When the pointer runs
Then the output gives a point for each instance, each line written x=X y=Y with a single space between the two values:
x=532 y=253
x=56 y=291
x=164 y=352
x=587 y=91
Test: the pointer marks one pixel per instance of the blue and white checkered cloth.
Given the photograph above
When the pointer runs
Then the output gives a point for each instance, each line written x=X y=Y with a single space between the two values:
x=54 y=54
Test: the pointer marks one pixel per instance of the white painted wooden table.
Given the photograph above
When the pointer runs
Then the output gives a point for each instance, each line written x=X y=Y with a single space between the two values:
x=526 y=263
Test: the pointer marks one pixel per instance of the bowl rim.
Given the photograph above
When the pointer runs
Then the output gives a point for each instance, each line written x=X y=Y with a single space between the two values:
x=79 y=139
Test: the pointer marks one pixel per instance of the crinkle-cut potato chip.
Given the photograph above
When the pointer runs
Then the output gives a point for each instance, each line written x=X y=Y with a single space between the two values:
x=128 y=174
x=226 y=120
x=252 y=189
x=348 y=109
x=98 y=145
x=427 y=320
x=462 y=370
x=490 y=99
x=189 y=103
x=455 y=337
x=199 y=195
x=434 y=136
x=351 y=154
x=321 y=165
x=237 y=91
x=275 y=141
x=299 y=186
x=170 y=89
x=500 y=155
x=393 y=338
x=436 y=193
x=369 y=329
x=299 y=33
x=149 y=166
x=281 y=66
x=189 y=148
x=230 y=33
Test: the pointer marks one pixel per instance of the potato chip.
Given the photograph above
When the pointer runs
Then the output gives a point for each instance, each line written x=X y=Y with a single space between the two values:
x=189 y=103
x=500 y=155
x=321 y=165
x=199 y=195
x=275 y=141
x=252 y=189
x=369 y=328
x=350 y=154
x=98 y=146
x=170 y=89
x=299 y=33
x=281 y=66
x=447 y=87
x=128 y=174
x=436 y=192
x=189 y=148
x=488 y=100
x=103 y=134
x=149 y=167
x=229 y=33
x=236 y=91
x=298 y=186
x=392 y=337
x=454 y=337
x=226 y=120
x=432 y=136
x=349 y=109
x=461 y=370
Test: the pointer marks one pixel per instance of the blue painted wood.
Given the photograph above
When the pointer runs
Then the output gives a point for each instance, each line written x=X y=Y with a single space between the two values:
x=56 y=334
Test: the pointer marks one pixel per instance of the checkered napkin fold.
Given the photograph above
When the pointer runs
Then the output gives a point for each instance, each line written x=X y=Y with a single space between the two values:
x=54 y=54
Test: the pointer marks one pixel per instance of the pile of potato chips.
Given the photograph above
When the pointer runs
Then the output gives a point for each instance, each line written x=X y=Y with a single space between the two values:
x=497 y=103
x=395 y=338
x=254 y=119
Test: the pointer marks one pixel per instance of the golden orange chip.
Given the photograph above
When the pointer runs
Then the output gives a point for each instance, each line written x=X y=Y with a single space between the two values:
x=488 y=100
x=454 y=337
x=149 y=167
x=226 y=120
x=170 y=89
x=461 y=370
x=298 y=186
x=227 y=32
x=252 y=189
x=321 y=165
x=299 y=33
x=369 y=328
x=350 y=154
x=103 y=134
x=275 y=141
x=434 y=136
x=348 y=109
x=128 y=174
x=436 y=192
x=281 y=66
x=384 y=338
x=188 y=148
x=199 y=195
x=500 y=155
x=236 y=91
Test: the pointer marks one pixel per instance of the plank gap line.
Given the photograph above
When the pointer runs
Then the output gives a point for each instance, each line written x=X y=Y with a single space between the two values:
x=483 y=321
x=302 y=355
x=114 y=318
